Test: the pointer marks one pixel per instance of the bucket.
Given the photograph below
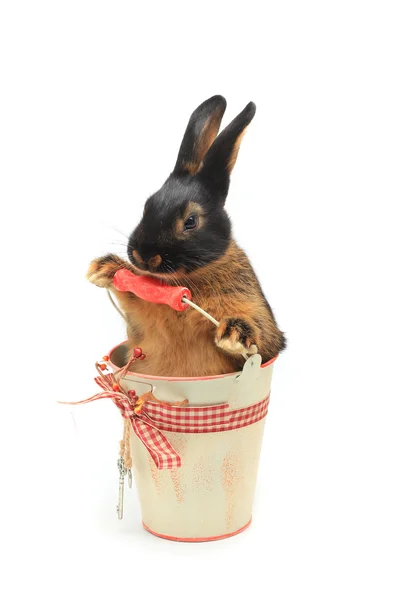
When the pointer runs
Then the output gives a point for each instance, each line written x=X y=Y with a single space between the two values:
x=193 y=443
x=217 y=437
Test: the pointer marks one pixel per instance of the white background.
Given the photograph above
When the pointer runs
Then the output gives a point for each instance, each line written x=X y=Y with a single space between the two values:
x=95 y=97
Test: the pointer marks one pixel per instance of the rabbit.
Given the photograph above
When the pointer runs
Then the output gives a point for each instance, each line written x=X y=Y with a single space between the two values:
x=184 y=238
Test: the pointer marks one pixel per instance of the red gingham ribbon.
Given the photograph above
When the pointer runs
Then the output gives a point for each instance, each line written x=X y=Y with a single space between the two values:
x=204 y=419
x=160 y=450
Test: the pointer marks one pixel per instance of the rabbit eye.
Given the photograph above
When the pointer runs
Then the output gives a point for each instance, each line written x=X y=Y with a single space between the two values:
x=190 y=223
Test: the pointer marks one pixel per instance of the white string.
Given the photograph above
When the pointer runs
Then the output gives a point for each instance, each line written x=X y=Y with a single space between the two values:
x=116 y=307
x=186 y=301
x=200 y=310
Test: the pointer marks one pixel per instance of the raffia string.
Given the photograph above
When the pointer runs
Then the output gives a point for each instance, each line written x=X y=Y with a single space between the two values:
x=125 y=445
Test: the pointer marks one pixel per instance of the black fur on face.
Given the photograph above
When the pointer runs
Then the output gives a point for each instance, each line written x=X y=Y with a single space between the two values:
x=184 y=225
x=161 y=231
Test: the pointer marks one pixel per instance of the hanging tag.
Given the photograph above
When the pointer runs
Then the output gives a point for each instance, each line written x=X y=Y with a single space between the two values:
x=246 y=384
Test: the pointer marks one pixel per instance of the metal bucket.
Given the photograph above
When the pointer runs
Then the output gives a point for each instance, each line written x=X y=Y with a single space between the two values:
x=210 y=496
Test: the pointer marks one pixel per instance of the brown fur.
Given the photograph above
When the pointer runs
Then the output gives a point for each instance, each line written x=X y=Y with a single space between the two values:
x=137 y=256
x=203 y=143
x=235 y=151
x=191 y=167
x=185 y=343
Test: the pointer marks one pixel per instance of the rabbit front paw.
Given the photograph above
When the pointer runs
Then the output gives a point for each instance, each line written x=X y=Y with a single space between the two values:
x=235 y=335
x=102 y=270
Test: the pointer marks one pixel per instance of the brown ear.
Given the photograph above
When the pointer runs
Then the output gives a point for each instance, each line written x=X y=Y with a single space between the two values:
x=200 y=133
x=221 y=157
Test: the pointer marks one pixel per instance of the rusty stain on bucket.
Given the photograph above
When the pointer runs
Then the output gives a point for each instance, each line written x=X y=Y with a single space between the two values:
x=202 y=475
x=155 y=475
x=230 y=480
x=177 y=484
x=179 y=442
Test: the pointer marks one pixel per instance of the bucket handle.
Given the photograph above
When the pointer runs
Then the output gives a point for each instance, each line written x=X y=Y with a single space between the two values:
x=158 y=292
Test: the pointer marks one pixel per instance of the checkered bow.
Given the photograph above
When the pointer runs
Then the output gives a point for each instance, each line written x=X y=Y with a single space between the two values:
x=159 y=448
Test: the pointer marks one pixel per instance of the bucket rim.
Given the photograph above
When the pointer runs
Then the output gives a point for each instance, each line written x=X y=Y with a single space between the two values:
x=164 y=378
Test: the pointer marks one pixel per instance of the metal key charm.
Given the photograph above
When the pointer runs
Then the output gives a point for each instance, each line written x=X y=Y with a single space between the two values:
x=122 y=472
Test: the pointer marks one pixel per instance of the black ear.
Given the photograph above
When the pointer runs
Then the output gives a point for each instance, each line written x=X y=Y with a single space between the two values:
x=200 y=133
x=221 y=157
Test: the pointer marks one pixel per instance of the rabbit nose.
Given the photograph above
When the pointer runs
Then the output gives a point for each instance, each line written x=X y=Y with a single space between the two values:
x=151 y=263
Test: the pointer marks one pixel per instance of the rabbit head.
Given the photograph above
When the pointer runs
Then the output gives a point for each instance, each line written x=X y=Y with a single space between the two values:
x=184 y=224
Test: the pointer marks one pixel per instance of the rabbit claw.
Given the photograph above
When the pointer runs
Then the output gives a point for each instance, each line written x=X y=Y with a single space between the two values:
x=102 y=270
x=235 y=335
